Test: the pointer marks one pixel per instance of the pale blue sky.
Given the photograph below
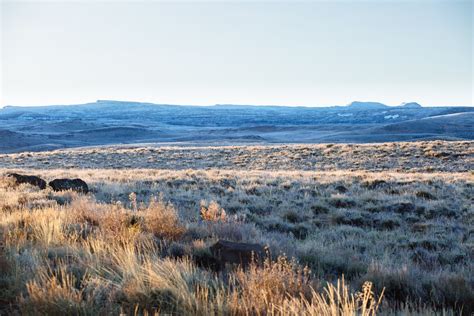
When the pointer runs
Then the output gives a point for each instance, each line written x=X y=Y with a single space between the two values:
x=308 y=53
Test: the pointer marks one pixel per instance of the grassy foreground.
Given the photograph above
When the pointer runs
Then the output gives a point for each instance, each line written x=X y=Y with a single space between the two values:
x=341 y=243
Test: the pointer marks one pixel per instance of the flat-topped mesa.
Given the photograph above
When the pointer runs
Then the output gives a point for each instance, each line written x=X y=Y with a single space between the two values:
x=358 y=105
x=410 y=105
x=101 y=102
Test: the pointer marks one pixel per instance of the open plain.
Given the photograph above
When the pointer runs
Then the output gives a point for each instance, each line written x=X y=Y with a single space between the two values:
x=350 y=229
x=236 y=158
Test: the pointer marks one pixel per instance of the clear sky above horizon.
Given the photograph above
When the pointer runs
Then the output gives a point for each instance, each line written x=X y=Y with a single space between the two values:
x=309 y=53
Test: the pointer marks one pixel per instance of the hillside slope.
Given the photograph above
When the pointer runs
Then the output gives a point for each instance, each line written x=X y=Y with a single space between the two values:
x=108 y=122
x=459 y=125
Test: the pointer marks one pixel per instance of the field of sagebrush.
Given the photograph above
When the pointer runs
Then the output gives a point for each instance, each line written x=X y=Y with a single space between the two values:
x=340 y=242
x=425 y=156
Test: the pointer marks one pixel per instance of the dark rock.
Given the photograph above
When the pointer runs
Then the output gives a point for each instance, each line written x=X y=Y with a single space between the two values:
x=77 y=185
x=227 y=252
x=207 y=261
x=33 y=180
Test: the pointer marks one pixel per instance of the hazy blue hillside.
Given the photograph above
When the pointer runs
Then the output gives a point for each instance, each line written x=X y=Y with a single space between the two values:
x=110 y=122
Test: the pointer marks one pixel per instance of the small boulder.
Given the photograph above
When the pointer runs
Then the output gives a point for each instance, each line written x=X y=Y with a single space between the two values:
x=228 y=252
x=77 y=185
x=33 y=180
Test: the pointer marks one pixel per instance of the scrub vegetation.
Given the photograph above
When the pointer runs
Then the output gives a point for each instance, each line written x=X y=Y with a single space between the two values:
x=340 y=242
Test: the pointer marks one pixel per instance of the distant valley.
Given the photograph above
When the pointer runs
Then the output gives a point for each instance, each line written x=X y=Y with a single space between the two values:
x=108 y=122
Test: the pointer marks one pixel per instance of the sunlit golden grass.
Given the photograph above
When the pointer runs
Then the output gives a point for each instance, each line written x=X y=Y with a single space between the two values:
x=67 y=274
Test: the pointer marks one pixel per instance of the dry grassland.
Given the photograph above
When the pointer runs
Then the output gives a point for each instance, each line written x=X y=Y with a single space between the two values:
x=344 y=224
x=404 y=156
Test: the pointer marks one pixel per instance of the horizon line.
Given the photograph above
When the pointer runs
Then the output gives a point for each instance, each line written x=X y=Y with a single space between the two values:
x=98 y=101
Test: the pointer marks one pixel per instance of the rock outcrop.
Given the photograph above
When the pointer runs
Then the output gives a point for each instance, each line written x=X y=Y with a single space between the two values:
x=33 y=180
x=234 y=253
x=76 y=185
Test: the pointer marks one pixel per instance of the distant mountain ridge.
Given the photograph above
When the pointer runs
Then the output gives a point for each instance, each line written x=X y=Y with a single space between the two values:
x=354 y=104
x=108 y=122
x=378 y=105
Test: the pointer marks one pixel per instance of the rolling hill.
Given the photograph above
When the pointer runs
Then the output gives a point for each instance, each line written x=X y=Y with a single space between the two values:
x=121 y=122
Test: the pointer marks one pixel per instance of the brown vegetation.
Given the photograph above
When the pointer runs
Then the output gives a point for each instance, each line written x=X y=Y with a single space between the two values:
x=138 y=242
x=425 y=156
